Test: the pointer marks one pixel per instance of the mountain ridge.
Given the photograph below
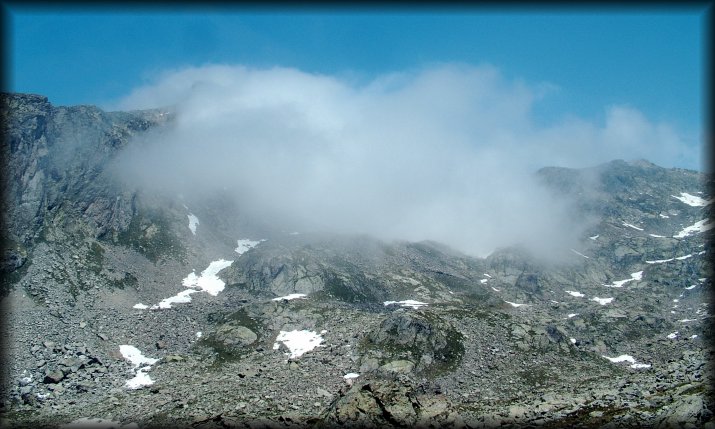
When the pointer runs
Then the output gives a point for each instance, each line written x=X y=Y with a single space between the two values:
x=437 y=337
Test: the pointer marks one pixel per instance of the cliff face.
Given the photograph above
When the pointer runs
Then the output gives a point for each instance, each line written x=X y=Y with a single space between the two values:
x=57 y=176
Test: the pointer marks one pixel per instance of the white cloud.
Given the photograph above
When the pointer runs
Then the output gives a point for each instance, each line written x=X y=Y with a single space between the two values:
x=443 y=153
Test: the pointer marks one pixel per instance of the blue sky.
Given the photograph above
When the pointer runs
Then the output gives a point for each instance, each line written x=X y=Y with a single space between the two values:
x=648 y=59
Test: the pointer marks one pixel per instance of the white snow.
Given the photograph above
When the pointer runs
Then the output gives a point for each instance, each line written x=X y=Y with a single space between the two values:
x=690 y=287
x=193 y=222
x=621 y=358
x=634 y=276
x=180 y=298
x=594 y=237
x=687 y=320
x=602 y=301
x=627 y=358
x=141 y=379
x=513 y=304
x=494 y=289
x=351 y=375
x=140 y=306
x=657 y=236
x=572 y=315
x=660 y=261
x=632 y=226
x=575 y=293
x=199 y=334
x=244 y=245
x=91 y=423
x=664 y=216
x=298 y=342
x=580 y=254
x=407 y=303
x=695 y=228
x=573 y=340
x=289 y=297
x=487 y=275
x=135 y=356
x=692 y=200
x=694 y=336
x=673 y=335
x=483 y=281
x=208 y=282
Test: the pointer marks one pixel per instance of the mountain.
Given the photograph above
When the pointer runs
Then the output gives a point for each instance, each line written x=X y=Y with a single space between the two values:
x=135 y=308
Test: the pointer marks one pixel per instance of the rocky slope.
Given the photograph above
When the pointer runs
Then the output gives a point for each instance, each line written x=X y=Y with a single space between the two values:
x=242 y=325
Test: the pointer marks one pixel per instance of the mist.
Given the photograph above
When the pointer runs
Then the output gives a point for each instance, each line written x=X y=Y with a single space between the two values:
x=445 y=153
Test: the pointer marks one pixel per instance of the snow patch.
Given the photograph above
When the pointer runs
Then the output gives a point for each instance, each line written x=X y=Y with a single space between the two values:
x=634 y=276
x=627 y=358
x=483 y=281
x=244 y=245
x=691 y=287
x=289 y=297
x=632 y=226
x=657 y=236
x=594 y=237
x=406 y=303
x=199 y=334
x=687 y=320
x=692 y=200
x=487 y=275
x=298 y=342
x=673 y=335
x=208 y=282
x=573 y=340
x=193 y=222
x=575 y=293
x=602 y=301
x=664 y=216
x=579 y=253
x=351 y=375
x=180 y=298
x=495 y=289
x=695 y=228
x=513 y=304
x=135 y=356
x=140 y=306
x=661 y=261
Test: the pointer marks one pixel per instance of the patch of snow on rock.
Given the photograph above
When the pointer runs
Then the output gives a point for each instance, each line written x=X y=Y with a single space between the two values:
x=483 y=281
x=209 y=281
x=697 y=227
x=579 y=253
x=513 y=304
x=575 y=293
x=673 y=335
x=406 y=303
x=692 y=200
x=572 y=315
x=632 y=226
x=180 y=298
x=602 y=301
x=140 y=306
x=657 y=236
x=135 y=356
x=298 y=342
x=634 y=276
x=289 y=297
x=351 y=375
x=594 y=237
x=573 y=340
x=193 y=222
x=244 y=245
x=691 y=287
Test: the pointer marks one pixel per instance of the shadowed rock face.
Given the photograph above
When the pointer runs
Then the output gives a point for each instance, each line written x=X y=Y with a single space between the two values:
x=513 y=339
x=391 y=401
x=407 y=340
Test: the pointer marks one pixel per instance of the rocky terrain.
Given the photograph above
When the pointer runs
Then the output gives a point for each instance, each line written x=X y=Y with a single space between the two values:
x=125 y=308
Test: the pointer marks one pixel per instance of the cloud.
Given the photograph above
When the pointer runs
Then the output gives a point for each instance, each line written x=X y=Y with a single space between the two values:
x=444 y=153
